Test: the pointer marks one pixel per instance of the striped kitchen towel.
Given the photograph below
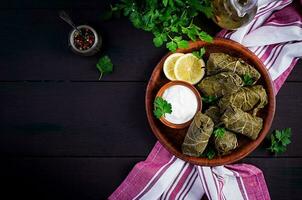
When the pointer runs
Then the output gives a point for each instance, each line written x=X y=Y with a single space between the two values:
x=275 y=36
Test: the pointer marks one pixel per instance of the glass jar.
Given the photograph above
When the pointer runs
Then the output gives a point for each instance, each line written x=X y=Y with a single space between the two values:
x=232 y=14
x=87 y=43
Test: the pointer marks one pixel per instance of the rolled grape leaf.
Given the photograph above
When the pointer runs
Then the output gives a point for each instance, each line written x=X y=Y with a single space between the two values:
x=242 y=122
x=198 y=135
x=221 y=62
x=220 y=84
x=214 y=113
x=226 y=143
x=247 y=98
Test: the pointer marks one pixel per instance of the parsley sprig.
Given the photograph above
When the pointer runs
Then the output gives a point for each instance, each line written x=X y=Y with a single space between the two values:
x=170 y=21
x=209 y=99
x=219 y=132
x=161 y=107
x=104 y=65
x=199 y=53
x=209 y=153
x=279 y=140
x=247 y=80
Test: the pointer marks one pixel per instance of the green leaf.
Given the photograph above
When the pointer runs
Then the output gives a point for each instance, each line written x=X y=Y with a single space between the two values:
x=171 y=4
x=158 y=41
x=183 y=44
x=205 y=37
x=177 y=38
x=247 y=80
x=219 y=132
x=285 y=141
x=172 y=46
x=191 y=31
x=199 y=53
x=207 y=8
x=161 y=107
x=279 y=140
x=209 y=152
x=209 y=99
x=278 y=134
x=196 y=53
x=202 y=51
x=104 y=65
x=136 y=20
x=165 y=2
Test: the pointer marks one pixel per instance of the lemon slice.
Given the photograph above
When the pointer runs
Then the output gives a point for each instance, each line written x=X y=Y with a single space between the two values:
x=189 y=68
x=169 y=65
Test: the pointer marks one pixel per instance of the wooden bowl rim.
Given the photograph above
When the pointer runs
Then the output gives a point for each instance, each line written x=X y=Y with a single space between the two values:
x=231 y=158
x=196 y=93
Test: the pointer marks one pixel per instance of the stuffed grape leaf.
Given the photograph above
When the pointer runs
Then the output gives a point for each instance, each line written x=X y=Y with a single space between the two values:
x=214 y=113
x=242 y=122
x=221 y=62
x=225 y=144
x=198 y=135
x=247 y=98
x=220 y=84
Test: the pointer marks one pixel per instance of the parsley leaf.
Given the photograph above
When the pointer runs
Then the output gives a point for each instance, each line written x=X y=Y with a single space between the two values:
x=172 y=46
x=183 y=44
x=209 y=152
x=104 y=65
x=161 y=107
x=158 y=41
x=209 y=99
x=279 y=140
x=207 y=8
x=247 y=80
x=205 y=37
x=219 y=132
x=199 y=53
x=165 y=2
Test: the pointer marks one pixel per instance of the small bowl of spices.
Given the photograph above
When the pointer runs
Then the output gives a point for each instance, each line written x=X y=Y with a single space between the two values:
x=86 y=42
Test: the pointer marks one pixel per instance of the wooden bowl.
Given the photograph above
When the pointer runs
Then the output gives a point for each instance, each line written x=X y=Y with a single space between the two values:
x=172 y=139
x=198 y=98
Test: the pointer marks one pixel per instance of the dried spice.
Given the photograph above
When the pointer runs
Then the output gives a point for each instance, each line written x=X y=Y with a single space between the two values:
x=84 y=40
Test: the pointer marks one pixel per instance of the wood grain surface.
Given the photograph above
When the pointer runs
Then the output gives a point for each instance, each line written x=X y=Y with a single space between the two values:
x=66 y=135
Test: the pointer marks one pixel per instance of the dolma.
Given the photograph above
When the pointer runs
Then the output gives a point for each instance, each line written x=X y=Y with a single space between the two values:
x=225 y=144
x=242 y=122
x=247 y=98
x=198 y=135
x=220 y=84
x=221 y=62
x=214 y=113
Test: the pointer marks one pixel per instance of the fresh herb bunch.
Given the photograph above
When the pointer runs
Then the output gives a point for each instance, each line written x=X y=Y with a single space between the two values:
x=170 y=21
x=161 y=107
x=219 y=132
x=279 y=140
x=104 y=65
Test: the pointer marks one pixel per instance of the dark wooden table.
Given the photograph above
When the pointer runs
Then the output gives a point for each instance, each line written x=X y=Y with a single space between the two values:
x=66 y=135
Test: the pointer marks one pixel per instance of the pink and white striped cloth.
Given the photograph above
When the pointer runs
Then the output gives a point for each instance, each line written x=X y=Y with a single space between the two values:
x=275 y=36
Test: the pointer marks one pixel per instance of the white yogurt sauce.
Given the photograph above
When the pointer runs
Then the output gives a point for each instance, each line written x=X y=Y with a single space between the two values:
x=183 y=101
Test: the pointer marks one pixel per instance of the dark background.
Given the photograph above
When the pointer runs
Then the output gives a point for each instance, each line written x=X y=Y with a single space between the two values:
x=66 y=135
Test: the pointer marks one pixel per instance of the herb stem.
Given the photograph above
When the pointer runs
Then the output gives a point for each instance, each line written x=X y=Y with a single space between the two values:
x=101 y=76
